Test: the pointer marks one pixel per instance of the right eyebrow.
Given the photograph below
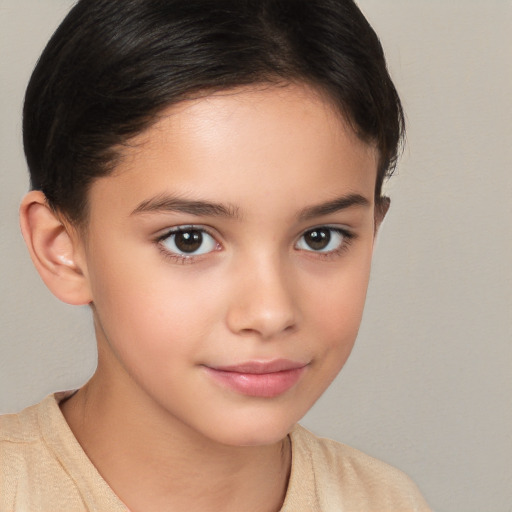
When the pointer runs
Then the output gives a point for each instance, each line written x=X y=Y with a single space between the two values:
x=168 y=203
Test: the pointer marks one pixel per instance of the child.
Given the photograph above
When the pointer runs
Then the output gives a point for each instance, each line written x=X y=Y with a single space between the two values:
x=207 y=177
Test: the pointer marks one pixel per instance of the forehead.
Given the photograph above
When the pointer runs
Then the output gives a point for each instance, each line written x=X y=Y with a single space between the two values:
x=244 y=146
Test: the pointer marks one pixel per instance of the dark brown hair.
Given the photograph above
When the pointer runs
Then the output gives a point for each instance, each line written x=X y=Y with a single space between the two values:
x=113 y=65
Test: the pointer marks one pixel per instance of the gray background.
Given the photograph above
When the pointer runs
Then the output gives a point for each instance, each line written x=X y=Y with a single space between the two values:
x=429 y=384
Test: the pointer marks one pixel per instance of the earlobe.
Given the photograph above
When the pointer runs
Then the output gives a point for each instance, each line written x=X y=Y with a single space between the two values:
x=54 y=250
x=381 y=208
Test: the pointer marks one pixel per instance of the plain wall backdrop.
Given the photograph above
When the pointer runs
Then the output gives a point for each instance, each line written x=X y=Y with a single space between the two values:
x=429 y=385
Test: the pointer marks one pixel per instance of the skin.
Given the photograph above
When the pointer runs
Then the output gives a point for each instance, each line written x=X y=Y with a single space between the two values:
x=154 y=422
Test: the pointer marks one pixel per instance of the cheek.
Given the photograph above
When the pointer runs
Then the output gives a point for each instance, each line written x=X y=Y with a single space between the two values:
x=336 y=307
x=148 y=308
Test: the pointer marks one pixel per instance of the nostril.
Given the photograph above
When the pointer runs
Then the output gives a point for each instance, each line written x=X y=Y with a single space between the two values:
x=265 y=300
x=262 y=319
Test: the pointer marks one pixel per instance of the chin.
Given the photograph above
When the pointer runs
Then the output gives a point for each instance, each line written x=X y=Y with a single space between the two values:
x=258 y=430
x=254 y=439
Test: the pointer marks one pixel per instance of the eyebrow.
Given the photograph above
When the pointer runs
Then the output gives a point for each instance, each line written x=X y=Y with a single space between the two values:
x=167 y=203
x=340 y=203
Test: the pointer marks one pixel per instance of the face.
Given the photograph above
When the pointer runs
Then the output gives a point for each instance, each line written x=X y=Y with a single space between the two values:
x=228 y=258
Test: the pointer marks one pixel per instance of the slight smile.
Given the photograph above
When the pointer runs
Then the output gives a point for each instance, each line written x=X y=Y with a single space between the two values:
x=265 y=379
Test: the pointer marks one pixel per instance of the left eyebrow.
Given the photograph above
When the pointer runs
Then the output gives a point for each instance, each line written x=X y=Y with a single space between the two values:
x=340 y=203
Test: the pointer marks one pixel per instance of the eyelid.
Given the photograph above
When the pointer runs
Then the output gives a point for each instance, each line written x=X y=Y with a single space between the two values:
x=166 y=232
x=183 y=257
x=340 y=228
x=348 y=236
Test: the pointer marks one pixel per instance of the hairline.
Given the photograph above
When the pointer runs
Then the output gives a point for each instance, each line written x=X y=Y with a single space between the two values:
x=270 y=81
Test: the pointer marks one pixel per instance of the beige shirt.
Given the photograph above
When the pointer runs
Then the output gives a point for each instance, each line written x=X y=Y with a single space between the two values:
x=44 y=469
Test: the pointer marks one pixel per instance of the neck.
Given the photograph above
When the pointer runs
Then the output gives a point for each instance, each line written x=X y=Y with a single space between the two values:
x=151 y=460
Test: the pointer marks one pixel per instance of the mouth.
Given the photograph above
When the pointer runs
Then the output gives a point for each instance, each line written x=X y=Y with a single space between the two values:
x=265 y=379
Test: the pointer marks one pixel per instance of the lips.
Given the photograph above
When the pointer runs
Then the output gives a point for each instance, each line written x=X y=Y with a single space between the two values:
x=265 y=379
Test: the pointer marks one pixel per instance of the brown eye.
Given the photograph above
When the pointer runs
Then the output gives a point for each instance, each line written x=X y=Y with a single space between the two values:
x=189 y=242
x=324 y=239
x=318 y=239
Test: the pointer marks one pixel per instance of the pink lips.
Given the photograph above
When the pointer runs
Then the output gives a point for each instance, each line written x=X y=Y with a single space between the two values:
x=257 y=378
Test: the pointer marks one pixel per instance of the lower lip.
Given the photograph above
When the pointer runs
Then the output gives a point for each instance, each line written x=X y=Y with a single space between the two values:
x=264 y=385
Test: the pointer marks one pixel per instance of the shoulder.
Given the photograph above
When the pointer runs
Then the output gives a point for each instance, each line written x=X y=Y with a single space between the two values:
x=341 y=476
x=30 y=470
x=43 y=467
x=25 y=427
x=19 y=428
x=347 y=461
x=19 y=436
x=23 y=431
x=20 y=448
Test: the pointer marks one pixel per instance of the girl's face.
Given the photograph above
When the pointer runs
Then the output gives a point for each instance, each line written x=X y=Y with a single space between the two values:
x=228 y=258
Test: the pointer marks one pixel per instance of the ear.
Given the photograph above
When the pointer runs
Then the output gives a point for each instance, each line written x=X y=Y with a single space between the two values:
x=381 y=208
x=55 y=249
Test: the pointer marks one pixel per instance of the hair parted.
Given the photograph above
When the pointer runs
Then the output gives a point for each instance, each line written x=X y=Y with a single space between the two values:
x=113 y=65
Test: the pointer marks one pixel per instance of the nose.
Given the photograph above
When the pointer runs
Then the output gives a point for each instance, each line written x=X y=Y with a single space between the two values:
x=265 y=302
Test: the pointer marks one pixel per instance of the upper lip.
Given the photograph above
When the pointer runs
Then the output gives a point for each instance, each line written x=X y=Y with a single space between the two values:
x=261 y=367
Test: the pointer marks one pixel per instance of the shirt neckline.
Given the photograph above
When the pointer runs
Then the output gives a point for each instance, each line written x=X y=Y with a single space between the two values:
x=96 y=492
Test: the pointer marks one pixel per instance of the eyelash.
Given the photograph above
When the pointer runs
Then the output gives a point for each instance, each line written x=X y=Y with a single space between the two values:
x=347 y=238
x=180 y=258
